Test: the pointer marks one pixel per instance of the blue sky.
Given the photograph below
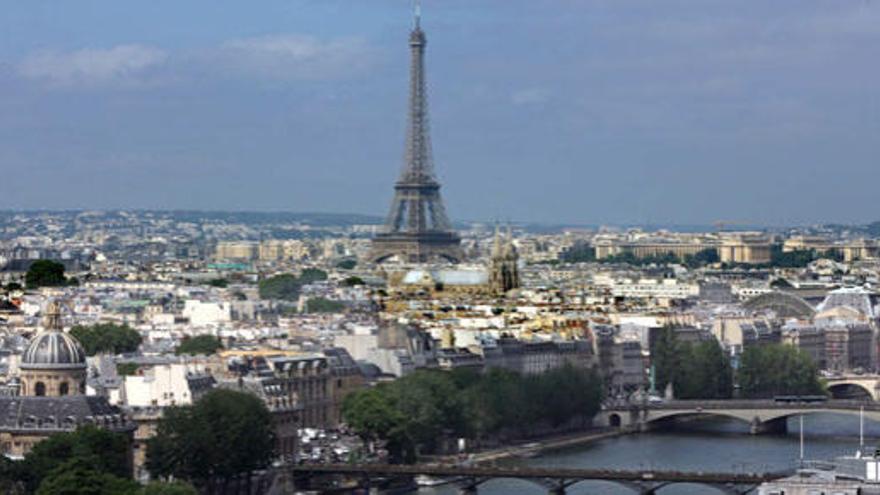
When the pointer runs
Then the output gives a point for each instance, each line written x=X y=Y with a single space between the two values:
x=590 y=111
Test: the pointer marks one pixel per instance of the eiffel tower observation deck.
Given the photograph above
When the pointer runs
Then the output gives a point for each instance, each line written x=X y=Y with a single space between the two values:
x=417 y=229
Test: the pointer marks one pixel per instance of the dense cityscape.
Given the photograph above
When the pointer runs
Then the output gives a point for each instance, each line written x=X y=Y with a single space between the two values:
x=185 y=352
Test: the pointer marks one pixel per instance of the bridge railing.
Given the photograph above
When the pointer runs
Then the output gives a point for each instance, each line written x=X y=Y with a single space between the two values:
x=841 y=404
x=440 y=470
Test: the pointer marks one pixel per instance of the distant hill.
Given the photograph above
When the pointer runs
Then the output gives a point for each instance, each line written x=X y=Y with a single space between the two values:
x=247 y=217
x=262 y=217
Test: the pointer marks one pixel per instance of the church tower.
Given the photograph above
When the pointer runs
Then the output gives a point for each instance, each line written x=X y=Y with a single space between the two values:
x=504 y=264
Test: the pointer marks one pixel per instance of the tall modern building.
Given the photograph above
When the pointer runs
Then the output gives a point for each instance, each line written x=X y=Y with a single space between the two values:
x=417 y=228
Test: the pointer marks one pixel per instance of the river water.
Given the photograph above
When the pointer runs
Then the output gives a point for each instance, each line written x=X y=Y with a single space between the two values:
x=710 y=446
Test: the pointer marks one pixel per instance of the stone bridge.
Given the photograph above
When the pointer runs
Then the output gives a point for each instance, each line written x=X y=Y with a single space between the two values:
x=841 y=386
x=555 y=480
x=762 y=416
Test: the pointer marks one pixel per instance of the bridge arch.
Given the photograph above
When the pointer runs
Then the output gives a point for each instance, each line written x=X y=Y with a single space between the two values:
x=838 y=388
x=747 y=417
x=614 y=420
x=629 y=485
x=785 y=305
x=657 y=488
x=760 y=420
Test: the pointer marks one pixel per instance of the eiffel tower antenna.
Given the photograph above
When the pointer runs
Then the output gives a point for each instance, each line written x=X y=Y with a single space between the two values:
x=417 y=227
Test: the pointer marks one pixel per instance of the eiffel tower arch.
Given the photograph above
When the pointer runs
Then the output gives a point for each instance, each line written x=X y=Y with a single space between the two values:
x=417 y=228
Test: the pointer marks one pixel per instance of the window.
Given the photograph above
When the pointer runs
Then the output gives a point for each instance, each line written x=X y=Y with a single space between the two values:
x=63 y=389
x=40 y=389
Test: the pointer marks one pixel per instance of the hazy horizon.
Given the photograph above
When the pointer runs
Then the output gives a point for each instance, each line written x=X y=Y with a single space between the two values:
x=613 y=112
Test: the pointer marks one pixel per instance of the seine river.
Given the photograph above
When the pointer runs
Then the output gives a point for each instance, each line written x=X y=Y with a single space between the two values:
x=713 y=445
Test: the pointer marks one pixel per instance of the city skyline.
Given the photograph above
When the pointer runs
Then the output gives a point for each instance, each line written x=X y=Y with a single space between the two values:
x=589 y=113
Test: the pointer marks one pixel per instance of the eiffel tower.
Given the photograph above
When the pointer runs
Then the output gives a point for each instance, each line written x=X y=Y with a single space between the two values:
x=417 y=229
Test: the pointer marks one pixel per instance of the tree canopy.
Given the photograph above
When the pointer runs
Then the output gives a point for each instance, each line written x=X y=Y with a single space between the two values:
x=226 y=434
x=769 y=370
x=107 y=337
x=583 y=252
x=199 y=345
x=13 y=286
x=45 y=273
x=54 y=465
x=698 y=370
x=415 y=412
x=702 y=258
x=578 y=253
x=284 y=287
x=88 y=461
x=78 y=477
x=352 y=281
x=323 y=305
x=346 y=264
x=127 y=369
x=173 y=488
x=309 y=275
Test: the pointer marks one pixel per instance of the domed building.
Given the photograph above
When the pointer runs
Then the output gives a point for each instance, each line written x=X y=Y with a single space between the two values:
x=54 y=365
x=499 y=277
x=52 y=396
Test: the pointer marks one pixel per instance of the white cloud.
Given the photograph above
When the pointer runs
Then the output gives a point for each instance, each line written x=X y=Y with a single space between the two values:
x=529 y=96
x=293 y=57
x=122 y=64
x=282 y=57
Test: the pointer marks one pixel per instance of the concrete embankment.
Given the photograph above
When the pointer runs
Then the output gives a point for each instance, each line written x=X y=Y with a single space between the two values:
x=551 y=443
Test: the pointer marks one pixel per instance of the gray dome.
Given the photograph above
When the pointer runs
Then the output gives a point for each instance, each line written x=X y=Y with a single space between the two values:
x=53 y=349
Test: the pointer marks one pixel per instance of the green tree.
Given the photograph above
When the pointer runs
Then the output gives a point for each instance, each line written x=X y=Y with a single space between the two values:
x=353 y=281
x=218 y=282
x=578 y=253
x=13 y=286
x=373 y=415
x=92 y=449
x=107 y=337
x=770 y=370
x=702 y=258
x=126 y=369
x=629 y=258
x=309 y=275
x=285 y=287
x=696 y=371
x=706 y=372
x=666 y=358
x=346 y=264
x=415 y=412
x=498 y=401
x=173 y=488
x=199 y=345
x=12 y=476
x=79 y=477
x=45 y=273
x=323 y=305
x=791 y=259
x=225 y=435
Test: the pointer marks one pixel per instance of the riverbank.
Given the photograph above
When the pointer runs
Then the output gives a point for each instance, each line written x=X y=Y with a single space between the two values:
x=535 y=447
